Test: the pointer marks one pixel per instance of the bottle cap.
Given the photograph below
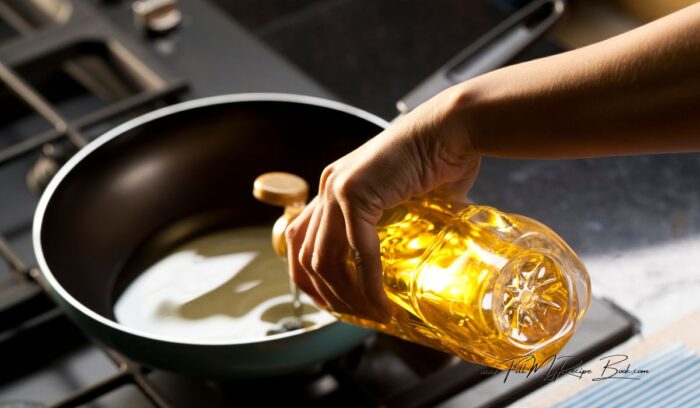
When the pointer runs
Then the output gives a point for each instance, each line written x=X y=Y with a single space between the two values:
x=280 y=189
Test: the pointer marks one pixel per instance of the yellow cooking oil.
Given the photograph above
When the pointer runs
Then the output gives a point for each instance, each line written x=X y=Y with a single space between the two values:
x=492 y=288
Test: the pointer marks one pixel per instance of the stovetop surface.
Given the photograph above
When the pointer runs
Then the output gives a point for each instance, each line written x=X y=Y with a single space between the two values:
x=213 y=54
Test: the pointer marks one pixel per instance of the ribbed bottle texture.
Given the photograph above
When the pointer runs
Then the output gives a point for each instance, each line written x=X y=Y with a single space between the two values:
x=493 y=288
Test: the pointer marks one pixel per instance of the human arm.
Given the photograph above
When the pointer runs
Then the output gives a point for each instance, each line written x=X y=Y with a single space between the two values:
x=635 y=93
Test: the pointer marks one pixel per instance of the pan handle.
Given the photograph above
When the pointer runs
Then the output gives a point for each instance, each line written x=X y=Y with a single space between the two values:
x=489 y=52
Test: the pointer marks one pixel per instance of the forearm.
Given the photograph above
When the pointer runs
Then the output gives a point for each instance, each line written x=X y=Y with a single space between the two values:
x=632 y=94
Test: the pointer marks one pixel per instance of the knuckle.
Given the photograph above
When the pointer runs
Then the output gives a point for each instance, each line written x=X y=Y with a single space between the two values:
x=328 y=170
x=305 y=257
x=326 y=175
x=345 y=186
x=291 y=233
x=318 y=262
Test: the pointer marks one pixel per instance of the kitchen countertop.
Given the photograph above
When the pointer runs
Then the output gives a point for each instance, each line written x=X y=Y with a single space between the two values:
x=684 y=333
x=635 y=221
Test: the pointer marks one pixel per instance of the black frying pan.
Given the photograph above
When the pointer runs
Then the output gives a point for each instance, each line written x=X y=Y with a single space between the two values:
x=172 y=174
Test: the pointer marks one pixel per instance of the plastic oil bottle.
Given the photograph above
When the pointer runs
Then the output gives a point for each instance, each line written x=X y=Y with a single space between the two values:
x=493 y=288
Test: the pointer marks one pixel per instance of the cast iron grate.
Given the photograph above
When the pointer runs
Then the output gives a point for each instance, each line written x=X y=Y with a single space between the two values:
x=112 y=77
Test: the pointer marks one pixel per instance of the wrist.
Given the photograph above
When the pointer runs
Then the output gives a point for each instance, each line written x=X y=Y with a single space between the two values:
x=458 y=103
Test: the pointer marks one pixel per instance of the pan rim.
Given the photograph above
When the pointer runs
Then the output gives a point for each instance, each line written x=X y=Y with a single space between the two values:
x=117 y=131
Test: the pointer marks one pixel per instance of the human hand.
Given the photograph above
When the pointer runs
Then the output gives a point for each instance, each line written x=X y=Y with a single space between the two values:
x=426 y=151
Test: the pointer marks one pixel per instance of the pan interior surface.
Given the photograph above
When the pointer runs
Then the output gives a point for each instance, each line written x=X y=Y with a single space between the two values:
x=226 y=285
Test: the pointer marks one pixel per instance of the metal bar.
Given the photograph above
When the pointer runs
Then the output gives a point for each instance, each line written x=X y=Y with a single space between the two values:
x=87 y=27
x=32 y=322
x=130 y=103
x=94 y=391
x=138 y=376
x=38 y=103
x=26 y=146
x=129 y=373
x=20 y=302
x=12 y=259
x=150 y=391
x=15 y=19
x=23 y=348
x=117 y=359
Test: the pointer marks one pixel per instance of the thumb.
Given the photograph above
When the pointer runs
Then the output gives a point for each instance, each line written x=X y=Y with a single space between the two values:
x=364 y=244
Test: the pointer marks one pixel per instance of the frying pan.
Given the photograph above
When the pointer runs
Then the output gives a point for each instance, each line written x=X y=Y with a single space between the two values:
x=179 y=171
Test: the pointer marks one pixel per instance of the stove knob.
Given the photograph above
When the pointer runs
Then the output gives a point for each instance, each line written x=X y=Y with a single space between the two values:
x=156 y=16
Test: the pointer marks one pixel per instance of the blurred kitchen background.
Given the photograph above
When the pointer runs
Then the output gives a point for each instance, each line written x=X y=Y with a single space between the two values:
x=635 y=221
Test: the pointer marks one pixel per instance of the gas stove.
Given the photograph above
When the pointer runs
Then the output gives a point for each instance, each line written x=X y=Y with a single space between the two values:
x=71 y=69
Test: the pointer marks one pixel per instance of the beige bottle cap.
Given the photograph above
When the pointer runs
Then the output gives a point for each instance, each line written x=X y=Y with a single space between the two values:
x=281 y=189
